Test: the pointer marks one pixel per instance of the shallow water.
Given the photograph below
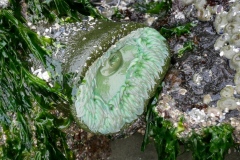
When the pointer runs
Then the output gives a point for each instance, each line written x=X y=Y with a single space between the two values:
x=130 y=149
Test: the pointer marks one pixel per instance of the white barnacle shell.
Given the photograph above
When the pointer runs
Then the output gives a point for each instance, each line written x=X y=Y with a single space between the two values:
x=221 y=41
x=204 y=14
x=235 y=61
x=228 y=51
x=237 y=78
x=227 y=92
x=229 y=103
x=199 y=4
x=232 y=28
x=220 y=22
x=235 y=39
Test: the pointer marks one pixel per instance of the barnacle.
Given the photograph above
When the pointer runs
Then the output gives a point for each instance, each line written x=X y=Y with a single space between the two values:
x=199 y=4
x=232 y=28
x=227 y=92
x=235 y=40
x=237 y=78
x=233 y=13
x=220 y=22
x=221 y=41
x=118 y=81
x=237 y=88
x=227 y=51
x=229 y=103
x=235 y=61
x=204 y=14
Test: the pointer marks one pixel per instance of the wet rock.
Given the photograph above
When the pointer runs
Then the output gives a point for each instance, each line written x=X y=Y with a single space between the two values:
x=233 y=113
x=4 y=3
x=202 y=72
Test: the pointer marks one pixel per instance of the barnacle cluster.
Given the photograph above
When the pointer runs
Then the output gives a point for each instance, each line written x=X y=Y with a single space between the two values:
x=227 y=25
x=116 y=86
x=204 y=12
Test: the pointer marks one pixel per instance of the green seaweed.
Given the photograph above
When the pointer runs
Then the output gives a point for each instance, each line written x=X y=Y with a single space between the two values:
x=117 y=14
x=22 y=100
x=29 y=129
x=162 y=132
x=160 y=7
x=213 y=143
x=53 y=10
x=178 y=30
x=210 y=143
x=157 y=7
x=187 y=46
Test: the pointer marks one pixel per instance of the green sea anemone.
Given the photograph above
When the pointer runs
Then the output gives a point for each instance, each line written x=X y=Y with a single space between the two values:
x=117 y=84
